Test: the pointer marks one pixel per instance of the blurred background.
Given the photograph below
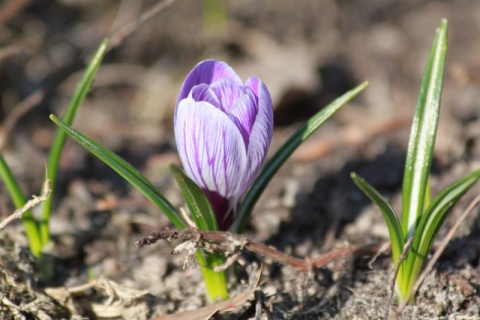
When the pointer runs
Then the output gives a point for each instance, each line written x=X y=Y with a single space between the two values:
x=307 y=52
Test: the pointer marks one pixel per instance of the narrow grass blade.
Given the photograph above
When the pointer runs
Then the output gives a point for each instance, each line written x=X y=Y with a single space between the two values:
x=60 y=137
x=430 y=223
x=125 y=170
x=31 y=227
x=197 y=202
x=285 y=151
x=422 y=137
x=397 y=239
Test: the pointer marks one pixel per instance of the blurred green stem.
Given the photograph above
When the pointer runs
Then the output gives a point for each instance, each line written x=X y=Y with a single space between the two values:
x=31 y=228
x=61 y=136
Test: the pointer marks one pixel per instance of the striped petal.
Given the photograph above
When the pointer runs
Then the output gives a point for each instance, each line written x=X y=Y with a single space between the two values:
x=203 y=92
x=223 y=130
x=228 y=92
x=244 y=112
x=211 y=148
x=262 y=130
x=207 y=72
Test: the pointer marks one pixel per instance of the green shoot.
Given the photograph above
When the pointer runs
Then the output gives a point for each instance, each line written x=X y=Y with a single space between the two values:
x=421 y=218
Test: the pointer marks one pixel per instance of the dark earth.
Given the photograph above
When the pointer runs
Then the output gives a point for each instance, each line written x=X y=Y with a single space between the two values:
x=308 y=53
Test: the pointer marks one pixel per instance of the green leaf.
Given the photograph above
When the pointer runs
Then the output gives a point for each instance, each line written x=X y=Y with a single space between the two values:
x=204 y=217
x=125 y=170
x=430 y=223
x=428 y=194
x=31 y=227
x=285 y=151
x=60 y=137
x=397 y=239
x=198 y=204
x=423 y=133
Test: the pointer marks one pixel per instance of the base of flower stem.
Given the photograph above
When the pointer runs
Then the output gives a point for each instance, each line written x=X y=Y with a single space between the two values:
x=216 y=282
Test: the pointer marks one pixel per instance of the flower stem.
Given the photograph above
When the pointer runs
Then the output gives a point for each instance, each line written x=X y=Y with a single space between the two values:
x=216 y=282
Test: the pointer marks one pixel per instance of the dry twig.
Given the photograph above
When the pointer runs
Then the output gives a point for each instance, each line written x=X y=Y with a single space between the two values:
x=17 y=214
x=119 y=297
x=383 y=249
x=402 y=257
x=231 y=245
x=119 y=36
x=17 y=112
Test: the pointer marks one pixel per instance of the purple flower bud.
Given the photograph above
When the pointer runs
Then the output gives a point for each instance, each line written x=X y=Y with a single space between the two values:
x=223 y=130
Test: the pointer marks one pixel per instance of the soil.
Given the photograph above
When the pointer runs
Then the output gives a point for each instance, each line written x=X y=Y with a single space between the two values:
x=307 y=52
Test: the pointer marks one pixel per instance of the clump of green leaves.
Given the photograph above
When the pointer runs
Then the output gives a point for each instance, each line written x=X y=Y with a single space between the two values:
x=37 y=230
x=421 y=218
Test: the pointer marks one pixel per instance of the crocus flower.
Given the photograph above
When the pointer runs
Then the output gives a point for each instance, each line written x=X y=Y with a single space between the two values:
x=223 y=128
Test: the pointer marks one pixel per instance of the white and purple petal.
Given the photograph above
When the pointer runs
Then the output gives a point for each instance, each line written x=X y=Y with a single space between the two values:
x=244 y=113
x=203 y=92
x=228 y=92
x=211 y=147
x=262 y=130
x=223 y=130
x=207 y=72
